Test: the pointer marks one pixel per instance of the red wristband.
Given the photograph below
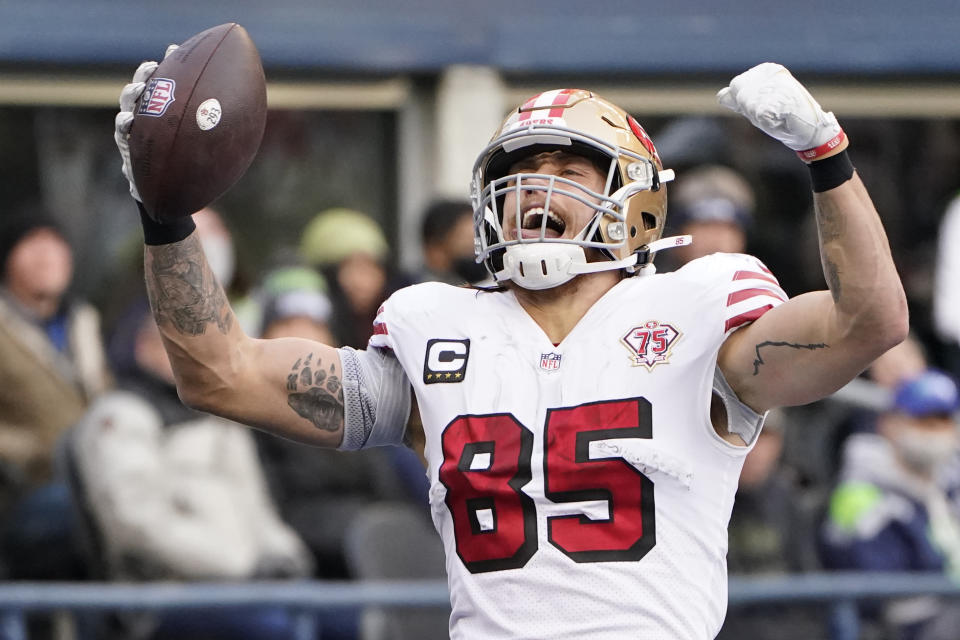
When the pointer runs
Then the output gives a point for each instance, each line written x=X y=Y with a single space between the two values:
x=809 y=155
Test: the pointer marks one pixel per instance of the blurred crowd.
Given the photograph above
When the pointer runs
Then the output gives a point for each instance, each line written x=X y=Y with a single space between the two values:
x=105 y=475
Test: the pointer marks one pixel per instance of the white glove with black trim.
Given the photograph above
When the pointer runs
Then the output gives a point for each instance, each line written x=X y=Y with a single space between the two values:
x=124 y=120
x=777 y=104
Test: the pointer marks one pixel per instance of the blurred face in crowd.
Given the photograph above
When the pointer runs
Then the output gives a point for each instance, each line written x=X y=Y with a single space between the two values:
x=921 y=444
x=217 y=243
x=460 y=239
x=457 y=244
x=300 y=327
x=454 y=252
x=362 y=279
x=710 y=237
x=39 y=270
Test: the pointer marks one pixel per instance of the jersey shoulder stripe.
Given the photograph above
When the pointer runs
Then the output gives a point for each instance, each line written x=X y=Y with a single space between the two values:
x=748 y=287
x=414 y=305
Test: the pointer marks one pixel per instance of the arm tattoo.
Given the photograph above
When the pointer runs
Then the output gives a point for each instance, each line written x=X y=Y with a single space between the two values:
x=316 y=393
x=831 y=225
x=183 y=289
x=769 y=343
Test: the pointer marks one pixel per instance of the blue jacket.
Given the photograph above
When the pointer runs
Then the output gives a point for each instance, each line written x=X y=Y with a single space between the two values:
x=878 y=519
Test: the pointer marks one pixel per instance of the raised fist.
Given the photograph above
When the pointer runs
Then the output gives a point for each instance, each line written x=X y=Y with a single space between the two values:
x=777 y=104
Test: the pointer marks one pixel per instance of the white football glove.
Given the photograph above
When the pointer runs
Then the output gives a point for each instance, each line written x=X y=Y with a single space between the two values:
x=124 y=120
x=777 y=104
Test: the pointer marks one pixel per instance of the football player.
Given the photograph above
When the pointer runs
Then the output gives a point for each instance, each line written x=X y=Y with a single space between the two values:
x=583 y=423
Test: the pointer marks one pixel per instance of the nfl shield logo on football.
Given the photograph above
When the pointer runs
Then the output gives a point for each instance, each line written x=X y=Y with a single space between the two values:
x=650 y=344
x=550 y=361
x=157 y=97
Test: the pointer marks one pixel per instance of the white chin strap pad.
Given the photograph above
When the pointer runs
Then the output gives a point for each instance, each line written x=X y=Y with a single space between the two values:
x=543 y=265
x=540 y=265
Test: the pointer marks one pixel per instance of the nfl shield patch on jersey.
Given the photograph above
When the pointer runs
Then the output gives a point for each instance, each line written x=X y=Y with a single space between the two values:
x=550 y=361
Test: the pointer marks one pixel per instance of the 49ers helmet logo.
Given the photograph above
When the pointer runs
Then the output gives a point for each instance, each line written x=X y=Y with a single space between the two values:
x=650 y=343
x=644 y=139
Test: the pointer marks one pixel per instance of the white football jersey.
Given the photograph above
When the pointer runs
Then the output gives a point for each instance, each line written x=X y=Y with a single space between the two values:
x=580 y=488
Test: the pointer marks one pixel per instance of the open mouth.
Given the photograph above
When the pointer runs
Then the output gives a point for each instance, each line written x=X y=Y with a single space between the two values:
x=533 y=221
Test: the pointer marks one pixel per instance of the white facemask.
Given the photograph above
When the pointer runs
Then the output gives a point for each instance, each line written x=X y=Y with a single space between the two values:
x=220 y=257
x=924 y=451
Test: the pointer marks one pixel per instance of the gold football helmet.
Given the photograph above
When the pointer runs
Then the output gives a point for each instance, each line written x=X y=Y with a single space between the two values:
x=630 y=213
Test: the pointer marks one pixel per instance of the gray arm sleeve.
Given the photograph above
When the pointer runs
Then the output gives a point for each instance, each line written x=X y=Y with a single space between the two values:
x=741 y=419
x=376 y=399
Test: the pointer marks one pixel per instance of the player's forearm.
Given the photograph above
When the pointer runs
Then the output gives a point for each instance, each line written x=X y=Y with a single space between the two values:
x=198 y=327
x=857 y=264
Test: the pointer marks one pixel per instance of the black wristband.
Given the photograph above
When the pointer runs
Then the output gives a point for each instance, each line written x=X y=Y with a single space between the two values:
x=830 y=172
x=155 y=233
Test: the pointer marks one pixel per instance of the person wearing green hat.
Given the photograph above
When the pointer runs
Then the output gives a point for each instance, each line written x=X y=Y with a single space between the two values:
x=349 y=249
x=294 y=302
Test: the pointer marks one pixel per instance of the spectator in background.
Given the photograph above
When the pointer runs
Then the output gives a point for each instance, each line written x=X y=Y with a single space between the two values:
x=52 y=365
x=946 y=295
x=715 y=205
x=771 y=532
x=446 y=232
x=295 y=303
x=350 y=250
x=175 y=494
x=891 y=510
x=319 y=491
x=217 y=241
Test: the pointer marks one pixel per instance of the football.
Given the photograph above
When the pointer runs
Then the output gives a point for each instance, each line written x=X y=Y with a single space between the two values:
x=199 y=122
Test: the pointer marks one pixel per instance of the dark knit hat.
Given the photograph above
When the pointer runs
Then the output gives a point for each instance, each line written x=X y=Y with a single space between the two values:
x=711 y=193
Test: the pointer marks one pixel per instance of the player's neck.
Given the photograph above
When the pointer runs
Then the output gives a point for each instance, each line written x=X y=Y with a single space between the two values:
x=558 y=310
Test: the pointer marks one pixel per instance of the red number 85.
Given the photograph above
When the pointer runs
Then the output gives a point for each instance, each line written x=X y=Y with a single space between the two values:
x=486 y=463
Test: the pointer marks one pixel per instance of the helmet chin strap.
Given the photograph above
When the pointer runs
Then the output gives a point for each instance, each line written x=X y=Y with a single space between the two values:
x=544 y=265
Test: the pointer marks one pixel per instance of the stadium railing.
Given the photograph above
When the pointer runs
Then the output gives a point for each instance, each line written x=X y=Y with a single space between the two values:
x=839 y=591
